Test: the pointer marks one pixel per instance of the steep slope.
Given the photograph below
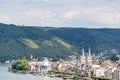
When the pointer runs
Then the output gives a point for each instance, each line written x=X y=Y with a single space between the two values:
x=18 y=42
x=98 y=39
x=22 y=41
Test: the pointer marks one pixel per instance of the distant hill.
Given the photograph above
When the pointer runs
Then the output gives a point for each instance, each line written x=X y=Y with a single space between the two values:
x=98 y=39
x=19 y=41
x=22 y=41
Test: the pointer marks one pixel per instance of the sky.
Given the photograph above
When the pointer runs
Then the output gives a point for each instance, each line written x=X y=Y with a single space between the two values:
x=61 y=13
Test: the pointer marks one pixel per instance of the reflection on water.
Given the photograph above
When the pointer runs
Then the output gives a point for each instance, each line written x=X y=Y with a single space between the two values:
x=5 y=75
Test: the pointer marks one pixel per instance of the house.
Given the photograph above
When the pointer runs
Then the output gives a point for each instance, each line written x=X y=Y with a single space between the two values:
x=116 y=75
x=99 y=72
x=40 y=66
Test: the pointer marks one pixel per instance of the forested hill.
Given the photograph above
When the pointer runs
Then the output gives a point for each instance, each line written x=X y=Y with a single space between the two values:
x=22 y=41
x=98 y=39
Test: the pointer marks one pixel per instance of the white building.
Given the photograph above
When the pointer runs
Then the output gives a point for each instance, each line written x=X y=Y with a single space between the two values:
x=33 y=65
x=40 y=66
x=45 y=66
x=116 y=75
x=108 y=74
x=99 y=72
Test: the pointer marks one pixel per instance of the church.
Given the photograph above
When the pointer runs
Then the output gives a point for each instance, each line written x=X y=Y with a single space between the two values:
x=86 y=59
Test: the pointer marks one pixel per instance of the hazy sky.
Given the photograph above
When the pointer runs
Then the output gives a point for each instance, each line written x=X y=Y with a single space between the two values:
x=61 y=13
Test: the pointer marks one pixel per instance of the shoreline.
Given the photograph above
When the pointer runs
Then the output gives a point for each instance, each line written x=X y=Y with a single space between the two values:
x=63 y=76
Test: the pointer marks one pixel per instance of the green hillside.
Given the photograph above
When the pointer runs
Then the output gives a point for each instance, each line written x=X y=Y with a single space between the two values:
x=98 y=39
x=18 y=42
x=22 y=41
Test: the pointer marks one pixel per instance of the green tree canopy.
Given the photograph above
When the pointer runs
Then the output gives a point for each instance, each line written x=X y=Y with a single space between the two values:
x=20 y=65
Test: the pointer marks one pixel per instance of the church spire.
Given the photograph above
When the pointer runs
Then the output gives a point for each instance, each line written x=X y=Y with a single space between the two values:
x=83 y=53
x=31 y=56
x=89 y=52
x=89 y=57
x=83 y=57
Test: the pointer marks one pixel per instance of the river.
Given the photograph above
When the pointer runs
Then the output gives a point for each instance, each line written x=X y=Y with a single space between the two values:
x=5 y=75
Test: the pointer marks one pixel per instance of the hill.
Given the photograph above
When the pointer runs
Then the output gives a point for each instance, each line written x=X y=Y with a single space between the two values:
x=103 y=42
x=19 y=41
x=98 y=39
x=22 y=41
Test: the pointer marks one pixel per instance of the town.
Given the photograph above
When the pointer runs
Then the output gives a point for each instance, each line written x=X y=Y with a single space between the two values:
x=85 y=65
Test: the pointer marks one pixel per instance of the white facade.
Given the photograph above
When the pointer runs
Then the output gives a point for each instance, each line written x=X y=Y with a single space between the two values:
x=108 y=74
x=99 y=72
x=37 y=66
x=116 y=75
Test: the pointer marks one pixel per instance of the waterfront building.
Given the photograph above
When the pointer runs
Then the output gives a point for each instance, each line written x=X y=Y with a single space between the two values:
x=108 y=73
x=99 y=72
x=33 y=65
x=40 y=66
x=116 y=75
x=45 y=66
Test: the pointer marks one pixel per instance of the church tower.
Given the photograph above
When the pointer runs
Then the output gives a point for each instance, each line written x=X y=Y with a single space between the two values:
x=31 y=56
x=82 y=57
x=89 y=57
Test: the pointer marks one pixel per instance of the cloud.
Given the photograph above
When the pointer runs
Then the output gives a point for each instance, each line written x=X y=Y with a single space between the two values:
x=37 y=0
x=71 y=14
x=40 y=14
x=61 y=12
x=5 y=18
x=93 y=17
x=35 y=18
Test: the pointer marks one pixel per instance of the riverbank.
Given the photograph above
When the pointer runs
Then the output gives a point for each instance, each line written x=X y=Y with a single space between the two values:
x=69 y=75
x=55 y=74
x=5 y=75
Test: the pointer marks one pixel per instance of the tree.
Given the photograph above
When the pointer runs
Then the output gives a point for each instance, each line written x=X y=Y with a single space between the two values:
x=20 y=65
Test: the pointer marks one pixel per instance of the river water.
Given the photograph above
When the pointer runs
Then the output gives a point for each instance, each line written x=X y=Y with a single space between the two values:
x=5 y=75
